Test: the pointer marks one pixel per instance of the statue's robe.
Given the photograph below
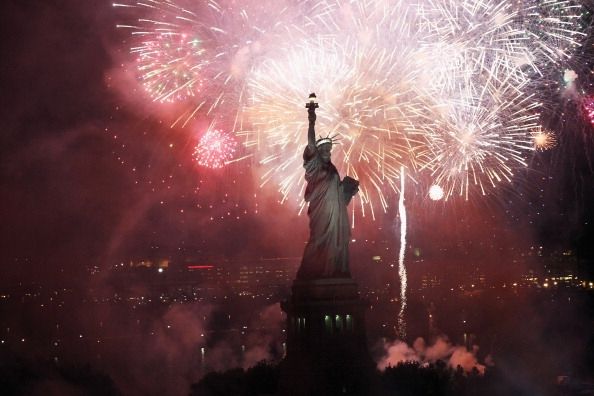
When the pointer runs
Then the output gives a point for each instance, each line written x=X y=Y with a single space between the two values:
x=326 y=253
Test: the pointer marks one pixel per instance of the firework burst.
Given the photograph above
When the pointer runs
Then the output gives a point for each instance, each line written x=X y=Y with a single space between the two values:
x=215 y=149
x=483 y=111
x=544 y=140
x=368 y=102
x=170 y=66
x=481 y=136
x=445 y=86
x=202 y=51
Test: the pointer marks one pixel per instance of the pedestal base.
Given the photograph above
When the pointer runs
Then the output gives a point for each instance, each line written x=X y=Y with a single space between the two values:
x=326 y=341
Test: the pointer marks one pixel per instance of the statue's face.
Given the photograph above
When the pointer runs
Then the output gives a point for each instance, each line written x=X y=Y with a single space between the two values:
x=324 y=151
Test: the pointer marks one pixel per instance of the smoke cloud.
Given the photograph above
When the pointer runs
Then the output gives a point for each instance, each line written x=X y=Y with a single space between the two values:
x=441 y=349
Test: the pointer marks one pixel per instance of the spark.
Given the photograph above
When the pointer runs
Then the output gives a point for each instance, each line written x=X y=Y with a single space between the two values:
x=435 y=192
x=588 y=107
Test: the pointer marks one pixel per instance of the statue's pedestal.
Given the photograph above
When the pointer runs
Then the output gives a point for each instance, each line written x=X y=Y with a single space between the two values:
x=326 y=342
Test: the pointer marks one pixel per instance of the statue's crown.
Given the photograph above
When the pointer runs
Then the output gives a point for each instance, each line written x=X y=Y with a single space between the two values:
x=321 y=141
x=328 y=139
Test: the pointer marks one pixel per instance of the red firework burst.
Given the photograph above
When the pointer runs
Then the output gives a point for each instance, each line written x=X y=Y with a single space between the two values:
x=215 y=149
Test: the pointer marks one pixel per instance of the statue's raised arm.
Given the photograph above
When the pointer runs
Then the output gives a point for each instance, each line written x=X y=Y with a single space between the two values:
x=326 y=253
x=311 y=106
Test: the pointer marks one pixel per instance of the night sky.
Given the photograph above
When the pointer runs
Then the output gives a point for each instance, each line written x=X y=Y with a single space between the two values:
x=92 y=173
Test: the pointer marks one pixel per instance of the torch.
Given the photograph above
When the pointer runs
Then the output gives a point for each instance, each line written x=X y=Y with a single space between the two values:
x=312 y=105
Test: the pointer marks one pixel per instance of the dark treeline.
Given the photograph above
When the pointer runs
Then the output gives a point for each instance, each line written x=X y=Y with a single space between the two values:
x=405 y=379
x=42 y=377
x=19 y=376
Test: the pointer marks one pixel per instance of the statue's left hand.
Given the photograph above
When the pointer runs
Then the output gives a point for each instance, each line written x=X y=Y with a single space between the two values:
x=350 y=185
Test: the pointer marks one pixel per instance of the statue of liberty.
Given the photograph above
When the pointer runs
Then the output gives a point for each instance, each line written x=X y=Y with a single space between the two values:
x=326 y=254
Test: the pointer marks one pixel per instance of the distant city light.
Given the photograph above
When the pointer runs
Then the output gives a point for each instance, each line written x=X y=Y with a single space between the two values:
x=200 y=266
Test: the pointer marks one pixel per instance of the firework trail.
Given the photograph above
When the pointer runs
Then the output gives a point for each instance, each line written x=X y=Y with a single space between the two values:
x=401 y=266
